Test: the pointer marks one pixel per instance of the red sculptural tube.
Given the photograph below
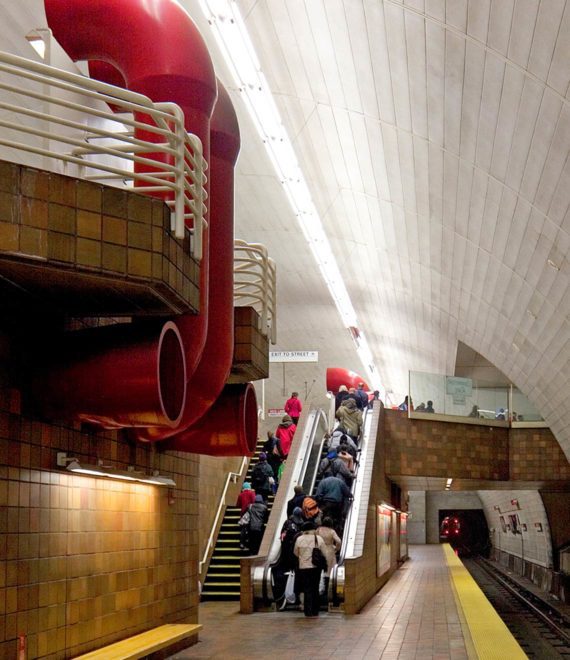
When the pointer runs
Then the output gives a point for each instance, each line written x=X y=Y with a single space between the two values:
x=337 y=376
x=212 y=372
x=229 y=428
x=158 y=52
x=81 y=382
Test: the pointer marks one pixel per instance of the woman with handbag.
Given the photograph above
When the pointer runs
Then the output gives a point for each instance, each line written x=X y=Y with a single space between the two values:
x=309 y=548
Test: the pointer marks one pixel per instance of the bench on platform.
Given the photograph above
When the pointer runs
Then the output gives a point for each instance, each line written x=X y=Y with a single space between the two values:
x=144 y=644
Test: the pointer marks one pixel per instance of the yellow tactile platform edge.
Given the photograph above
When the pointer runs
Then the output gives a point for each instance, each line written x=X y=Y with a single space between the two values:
x=491 y=637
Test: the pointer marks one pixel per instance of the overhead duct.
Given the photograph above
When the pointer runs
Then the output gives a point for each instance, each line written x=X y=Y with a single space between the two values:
x=212 y=373
x=229 y=428
x=159 y=52
x=81 y=382
x=336 y=376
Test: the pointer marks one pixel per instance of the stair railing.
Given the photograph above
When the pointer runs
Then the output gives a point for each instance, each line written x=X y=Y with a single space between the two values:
x=232 y=477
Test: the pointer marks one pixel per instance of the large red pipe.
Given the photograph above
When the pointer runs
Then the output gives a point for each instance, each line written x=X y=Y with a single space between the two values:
x=80 y=383
x=229 y=428
x=336 y=376
x=159 y=52
x=209 y=378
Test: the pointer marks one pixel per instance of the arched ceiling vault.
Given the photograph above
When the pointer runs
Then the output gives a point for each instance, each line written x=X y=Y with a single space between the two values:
x=434 y=137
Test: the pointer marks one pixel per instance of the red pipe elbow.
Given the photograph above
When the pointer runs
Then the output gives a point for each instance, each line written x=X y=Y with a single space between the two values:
x=81 y=383
x=159 y=52
x=337 y=377
x=211 y=374
x=229 y=428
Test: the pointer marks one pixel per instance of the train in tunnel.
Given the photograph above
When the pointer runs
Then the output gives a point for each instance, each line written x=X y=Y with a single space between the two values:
x=466 y=531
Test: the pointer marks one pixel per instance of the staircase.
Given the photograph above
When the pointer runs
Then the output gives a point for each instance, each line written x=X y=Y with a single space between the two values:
x=223 y=578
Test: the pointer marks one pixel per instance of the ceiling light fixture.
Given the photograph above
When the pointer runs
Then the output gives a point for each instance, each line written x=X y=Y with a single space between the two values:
x=72 y=464
x=239 y=54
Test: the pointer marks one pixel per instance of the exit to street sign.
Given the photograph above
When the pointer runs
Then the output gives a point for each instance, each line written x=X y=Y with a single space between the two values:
x=293 y=356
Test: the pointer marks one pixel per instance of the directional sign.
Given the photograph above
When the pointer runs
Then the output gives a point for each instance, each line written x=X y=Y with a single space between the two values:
x=293 y=356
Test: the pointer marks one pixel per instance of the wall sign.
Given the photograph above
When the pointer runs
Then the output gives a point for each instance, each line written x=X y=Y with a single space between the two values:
x=275 y=412
x=459 y=388
x=293 y=356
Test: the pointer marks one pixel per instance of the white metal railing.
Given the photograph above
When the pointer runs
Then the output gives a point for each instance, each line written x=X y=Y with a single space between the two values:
x=255 y=284
x=232 y=477
x=65 y=117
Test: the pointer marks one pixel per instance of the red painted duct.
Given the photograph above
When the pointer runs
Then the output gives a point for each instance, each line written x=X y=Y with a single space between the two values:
x=212 y=373
x=81 y=382
x=229 y=428
x=337 y=377
x=159 y=52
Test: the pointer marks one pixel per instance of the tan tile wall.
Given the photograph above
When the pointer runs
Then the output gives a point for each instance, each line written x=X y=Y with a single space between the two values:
x=213 y=472
x=85 y=561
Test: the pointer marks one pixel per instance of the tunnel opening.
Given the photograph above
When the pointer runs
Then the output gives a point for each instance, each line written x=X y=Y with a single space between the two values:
x=466 y=530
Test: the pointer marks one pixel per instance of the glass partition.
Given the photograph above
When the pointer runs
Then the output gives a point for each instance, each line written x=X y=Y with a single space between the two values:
x=523 y=410
x=458 y=397
x=465 y=397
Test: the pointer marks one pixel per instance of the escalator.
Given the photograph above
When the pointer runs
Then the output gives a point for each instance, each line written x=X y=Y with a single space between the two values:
x=312 y=450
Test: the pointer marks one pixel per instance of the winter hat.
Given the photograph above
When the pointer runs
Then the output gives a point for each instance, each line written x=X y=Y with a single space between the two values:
x=263 y=456
x=308 y=526
x=332 y=453
x=286 y=418
x=246 y=485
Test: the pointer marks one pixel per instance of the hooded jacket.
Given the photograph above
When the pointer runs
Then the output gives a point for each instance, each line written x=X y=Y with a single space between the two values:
x=258 y=514
x=350 y=417
x=285 y=432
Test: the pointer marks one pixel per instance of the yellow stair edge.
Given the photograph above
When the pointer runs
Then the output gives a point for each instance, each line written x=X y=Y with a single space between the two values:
x=147 y=642
x=491 y=637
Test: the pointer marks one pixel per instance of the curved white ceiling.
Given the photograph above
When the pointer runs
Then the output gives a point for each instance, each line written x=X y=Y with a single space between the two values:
x=434 y=137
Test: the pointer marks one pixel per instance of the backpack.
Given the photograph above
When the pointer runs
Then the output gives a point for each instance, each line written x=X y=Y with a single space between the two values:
x=310 y=508
x=258 y=477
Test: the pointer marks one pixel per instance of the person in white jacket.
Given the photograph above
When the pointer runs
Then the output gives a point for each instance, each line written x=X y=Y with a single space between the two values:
x=309 y=575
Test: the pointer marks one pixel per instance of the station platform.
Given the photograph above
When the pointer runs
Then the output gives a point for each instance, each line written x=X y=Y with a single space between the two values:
x=423 y=612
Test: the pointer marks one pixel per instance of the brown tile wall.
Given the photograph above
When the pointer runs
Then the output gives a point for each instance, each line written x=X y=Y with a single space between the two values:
x=251 y=347
x=85 y=561
x=68 y=223
x=535 y=454
x=361 y=582
x=441 y=449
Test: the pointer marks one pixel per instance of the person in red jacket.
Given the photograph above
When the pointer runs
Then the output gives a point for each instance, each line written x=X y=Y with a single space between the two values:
x=293 y=407
x=245 y=498
x=285 y=432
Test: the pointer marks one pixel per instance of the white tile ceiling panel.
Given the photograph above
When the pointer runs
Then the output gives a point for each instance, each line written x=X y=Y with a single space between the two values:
x=440 y=169
x=559 y=74
x=546 y=32
x=500 y=19
x=478 y=19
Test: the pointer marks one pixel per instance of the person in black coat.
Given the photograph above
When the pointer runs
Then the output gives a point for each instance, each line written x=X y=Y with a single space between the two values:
x=296 y=500
x=258 y=514
x=262 y=477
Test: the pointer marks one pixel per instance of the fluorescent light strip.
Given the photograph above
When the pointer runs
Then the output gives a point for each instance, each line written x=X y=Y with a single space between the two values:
x=237 y=49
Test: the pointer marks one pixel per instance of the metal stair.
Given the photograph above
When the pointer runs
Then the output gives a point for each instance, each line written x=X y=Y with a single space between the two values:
x=223 y=577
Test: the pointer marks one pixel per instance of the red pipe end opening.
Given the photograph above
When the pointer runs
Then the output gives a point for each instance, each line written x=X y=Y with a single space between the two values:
x=171 y=366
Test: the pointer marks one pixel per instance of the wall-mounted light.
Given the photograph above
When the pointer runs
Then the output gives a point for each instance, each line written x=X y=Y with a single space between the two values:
x=515 y=502
x=448 y=484
x=72 y=464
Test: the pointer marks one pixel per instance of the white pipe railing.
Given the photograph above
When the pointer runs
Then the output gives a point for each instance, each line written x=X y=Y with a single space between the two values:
x=232 y=477
x=255 y=284
x=75 y=126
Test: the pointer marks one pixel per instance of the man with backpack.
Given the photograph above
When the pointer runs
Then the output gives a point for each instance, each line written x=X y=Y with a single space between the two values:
x=333 y=466
x=262 y=477
x=332 y=494
x=272 y=447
